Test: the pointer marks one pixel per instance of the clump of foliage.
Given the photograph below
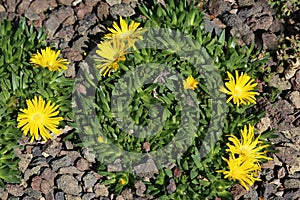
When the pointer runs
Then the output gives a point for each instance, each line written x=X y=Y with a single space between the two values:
x=284 y=8
x=288 y=56
x=107 y=98
x=19 y=81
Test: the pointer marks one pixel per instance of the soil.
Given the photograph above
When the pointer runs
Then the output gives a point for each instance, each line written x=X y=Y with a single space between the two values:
x=61 y=170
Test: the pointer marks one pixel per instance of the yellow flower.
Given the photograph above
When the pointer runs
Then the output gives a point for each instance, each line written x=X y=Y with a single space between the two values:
x=248 y=147
x=111 y=52
x=244 y=159
x=241 y=89
x=245 y=171
x=190 y=83
x=122 y=181
x=129 y=33
x=100 y=139
x=49 y=58
x=38 y=118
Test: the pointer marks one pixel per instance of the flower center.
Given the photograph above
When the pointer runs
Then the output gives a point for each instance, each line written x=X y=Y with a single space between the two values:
x=50 y=63
x=37 y=118
x=193 y=84
x=235 y=173
x=237 y=91
x=245 y=151
x=125 y=35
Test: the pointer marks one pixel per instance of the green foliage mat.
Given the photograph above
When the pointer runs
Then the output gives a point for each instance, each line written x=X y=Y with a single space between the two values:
x=127 y=99
x=20 y=81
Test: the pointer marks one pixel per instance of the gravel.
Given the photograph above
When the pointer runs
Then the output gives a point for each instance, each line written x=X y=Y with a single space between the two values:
x=292 y=183
x=69 y=185
x=121 y=10
x=101 y=190
x=90 y=179
x=60 y=196
x=61 y=162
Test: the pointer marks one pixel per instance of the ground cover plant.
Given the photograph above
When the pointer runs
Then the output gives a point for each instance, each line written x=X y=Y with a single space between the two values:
x=202 y=89
x=196 y=177
x=26 y=75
